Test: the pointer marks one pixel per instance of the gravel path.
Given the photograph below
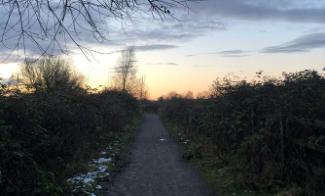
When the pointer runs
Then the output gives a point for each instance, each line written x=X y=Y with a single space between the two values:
x=156 y=167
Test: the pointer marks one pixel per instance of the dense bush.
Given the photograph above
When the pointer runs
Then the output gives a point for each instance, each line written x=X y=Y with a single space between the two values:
x=49 y=131
x=270 y=132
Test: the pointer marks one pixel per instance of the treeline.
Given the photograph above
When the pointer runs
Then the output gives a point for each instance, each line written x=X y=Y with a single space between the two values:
x=51 y=126
x=269 y=133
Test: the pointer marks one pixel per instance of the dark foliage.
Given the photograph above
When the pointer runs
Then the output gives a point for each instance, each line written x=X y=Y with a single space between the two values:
x=270 y=133
x=46 y=136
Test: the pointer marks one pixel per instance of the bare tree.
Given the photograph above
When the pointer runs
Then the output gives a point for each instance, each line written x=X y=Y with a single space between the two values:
x=143 y=90
x=51 y=26
x=126 y=71
x=126 y=79
x=49 y=74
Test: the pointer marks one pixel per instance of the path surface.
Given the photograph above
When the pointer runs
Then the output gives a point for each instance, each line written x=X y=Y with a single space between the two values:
x=156 y=167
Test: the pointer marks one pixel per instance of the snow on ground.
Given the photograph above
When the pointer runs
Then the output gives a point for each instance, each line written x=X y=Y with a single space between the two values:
x=181 y=138
x=86 y=183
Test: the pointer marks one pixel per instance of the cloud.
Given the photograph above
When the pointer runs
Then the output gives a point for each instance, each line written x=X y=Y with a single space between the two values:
x=225 y=53
x=175 y=30
x=234 y=53
x=24 y=34
x=142 y=48
x=172 y=64
x=300 y=44
x=297 y=11
x=155 y=47
x=139 y=29
x=231 y=52
x=199 y=54
x=164 y=64
x=151 y=34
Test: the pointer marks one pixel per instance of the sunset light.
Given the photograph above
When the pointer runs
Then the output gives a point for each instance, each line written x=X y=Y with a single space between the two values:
x=162 y=97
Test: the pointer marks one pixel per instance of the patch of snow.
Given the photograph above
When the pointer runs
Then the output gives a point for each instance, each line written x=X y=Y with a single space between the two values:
x=82 y=181
x=102 y=160
x=88 y=179
x=186 y=141
x=102 y=168
x=87 y=182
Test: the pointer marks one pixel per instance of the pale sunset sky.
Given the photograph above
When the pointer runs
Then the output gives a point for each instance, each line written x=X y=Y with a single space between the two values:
x=210 y=39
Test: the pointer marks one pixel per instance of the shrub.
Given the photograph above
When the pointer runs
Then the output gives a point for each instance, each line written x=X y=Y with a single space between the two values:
x=51 y=131
x=270 y=132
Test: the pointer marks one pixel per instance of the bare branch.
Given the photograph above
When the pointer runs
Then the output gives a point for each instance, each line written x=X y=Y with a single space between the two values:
x=47 y=27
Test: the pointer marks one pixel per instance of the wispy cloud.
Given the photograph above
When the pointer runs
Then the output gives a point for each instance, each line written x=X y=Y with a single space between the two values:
x=203 y=53
x=301 y=44
x=234 y=53
x=185 y=28
x=292 y=11
x=225 y=53
x=141 y=30
x=152 y=47
x=203 y=17
x=231 y=52
x=163 y=63
x=145 y=48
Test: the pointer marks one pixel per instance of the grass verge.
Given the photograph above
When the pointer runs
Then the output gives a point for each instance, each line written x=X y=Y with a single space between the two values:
x=200 y=152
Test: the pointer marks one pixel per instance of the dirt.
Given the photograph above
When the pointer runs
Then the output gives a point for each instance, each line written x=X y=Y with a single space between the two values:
x=156 y=167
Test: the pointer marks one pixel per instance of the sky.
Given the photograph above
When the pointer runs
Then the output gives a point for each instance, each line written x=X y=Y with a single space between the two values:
x=214 y=38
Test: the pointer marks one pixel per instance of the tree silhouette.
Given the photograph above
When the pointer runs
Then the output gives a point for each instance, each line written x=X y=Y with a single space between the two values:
x=143 y=90
x=49 y=74
x=50 y=27
x=125 y=71
x=126 y=79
